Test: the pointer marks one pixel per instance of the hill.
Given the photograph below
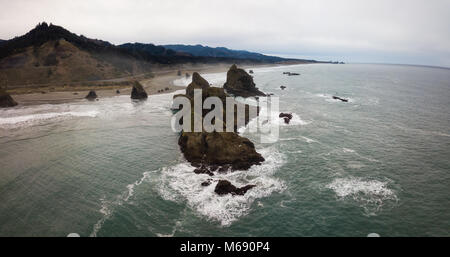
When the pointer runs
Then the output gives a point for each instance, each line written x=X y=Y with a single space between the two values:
x=206 y=51
x=50 y=54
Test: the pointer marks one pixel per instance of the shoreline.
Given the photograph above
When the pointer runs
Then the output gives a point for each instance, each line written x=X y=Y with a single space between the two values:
x=162 y=80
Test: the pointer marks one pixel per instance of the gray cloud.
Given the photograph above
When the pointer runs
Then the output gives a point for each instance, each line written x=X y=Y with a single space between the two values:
x=401 y=31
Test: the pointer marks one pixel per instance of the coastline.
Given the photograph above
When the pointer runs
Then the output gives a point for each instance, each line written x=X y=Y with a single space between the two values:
x=162 y=80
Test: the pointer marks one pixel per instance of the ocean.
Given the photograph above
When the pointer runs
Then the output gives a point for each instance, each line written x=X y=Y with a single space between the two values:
x=379 y=163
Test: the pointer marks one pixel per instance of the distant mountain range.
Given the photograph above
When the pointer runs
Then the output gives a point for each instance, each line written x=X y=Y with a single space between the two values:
x=199 y=50
x=51 y=54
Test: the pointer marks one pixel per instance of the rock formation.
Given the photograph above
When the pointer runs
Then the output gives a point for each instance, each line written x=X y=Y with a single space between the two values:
x=339 y=98
x=240 y=83
x=91 y=95
x=210 y=150
x=198 y=82
x=225 y=187
x=6 y=100
x=286 y=117
x=291 y=73
x=138 y=92
x=219 y=148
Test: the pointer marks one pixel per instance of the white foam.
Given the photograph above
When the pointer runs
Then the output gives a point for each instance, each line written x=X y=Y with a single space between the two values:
x=329 y=98
x=182 y=82
x=32 y=118
x=348 y=150
x=179 y=183
x=309 y=140
x=369 y=193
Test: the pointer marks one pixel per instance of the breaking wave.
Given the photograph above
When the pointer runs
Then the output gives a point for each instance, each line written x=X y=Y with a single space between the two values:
x=370 y=194
x=178 y=183
x=35 y=118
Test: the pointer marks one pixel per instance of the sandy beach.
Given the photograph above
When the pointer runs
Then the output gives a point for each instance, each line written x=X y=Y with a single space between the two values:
x=161 y=81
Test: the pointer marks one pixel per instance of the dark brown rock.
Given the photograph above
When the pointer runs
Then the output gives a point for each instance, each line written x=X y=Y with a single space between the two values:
x=91 y=95
x=203 y=170
x=339 y=98
x=219 y=148
x=138 y=92
x=224 y=187
x=6 y=100
x=206 y=183
x=240 y=83
x=198 y=82
x=286 y=117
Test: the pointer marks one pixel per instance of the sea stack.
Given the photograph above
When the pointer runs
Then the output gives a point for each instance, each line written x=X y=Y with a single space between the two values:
x=198 y=82
x=138 y=92
x=240 y=83
x=209 y=150
x=6 y=100
x=91 y=95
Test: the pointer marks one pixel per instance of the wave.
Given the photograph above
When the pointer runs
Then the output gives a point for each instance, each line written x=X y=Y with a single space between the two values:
x=108 y=207
x=179 y=184
x=33 y=118
x=370 y=194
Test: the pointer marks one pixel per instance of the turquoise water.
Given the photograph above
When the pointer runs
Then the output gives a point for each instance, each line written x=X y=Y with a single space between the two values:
x=377 y=164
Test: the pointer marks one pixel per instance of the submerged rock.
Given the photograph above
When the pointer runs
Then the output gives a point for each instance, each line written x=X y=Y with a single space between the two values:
x=91 y=95
x=203 y=170
x=206 y=183
x=339 y=98
x=6 y=100
x=240 y=83
x=286 y=117
x=138 y=92
x=225 y=187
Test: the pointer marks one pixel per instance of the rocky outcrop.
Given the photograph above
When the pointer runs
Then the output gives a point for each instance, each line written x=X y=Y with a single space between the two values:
x=219 y=148
x=203 y=170
x=286 y=117
x=240 y=83
x=291 y=73
x=198 y=82
x=138 y=92
x=339 y=98
x=225 y=187
x=91 y=95
x=206 y=183
x=6 y=100
x=207 y=150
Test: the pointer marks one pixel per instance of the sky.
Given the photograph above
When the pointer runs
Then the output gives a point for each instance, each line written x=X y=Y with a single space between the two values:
x=358 y=31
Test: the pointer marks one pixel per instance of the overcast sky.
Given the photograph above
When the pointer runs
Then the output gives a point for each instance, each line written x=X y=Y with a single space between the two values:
x=391 y=31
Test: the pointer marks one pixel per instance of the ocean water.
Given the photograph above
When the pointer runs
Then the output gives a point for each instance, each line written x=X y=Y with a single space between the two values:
x=377 y=164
